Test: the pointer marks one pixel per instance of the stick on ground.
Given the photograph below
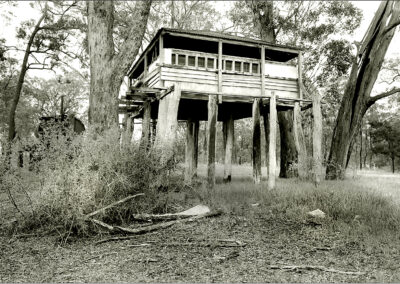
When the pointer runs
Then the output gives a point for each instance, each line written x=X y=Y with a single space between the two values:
x=314 y=267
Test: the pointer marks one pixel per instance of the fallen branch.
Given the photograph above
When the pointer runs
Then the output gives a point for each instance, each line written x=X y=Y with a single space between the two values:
x=146 y=229
x=194 y=211
x=139 y=245
x=209 y=244
x=102 y=224
x=164 y=225
x=314 y=267
x=113 y=204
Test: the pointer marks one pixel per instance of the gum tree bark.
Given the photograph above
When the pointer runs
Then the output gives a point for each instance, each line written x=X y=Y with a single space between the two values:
x=108 y=68
x=356 y=99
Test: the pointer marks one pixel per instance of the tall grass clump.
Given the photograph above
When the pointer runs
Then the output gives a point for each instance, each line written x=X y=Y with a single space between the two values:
x=73 y=175
x=349 y=205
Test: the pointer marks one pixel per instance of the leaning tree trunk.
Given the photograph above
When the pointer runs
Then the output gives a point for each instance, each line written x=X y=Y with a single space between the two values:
x=107 y=69
x=356 y=99
x=21 y=79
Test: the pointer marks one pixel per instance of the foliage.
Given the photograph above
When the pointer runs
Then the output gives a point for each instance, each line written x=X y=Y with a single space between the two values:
x=75 y=175
x=55 y=40
x=191 y=15
x=385 y=135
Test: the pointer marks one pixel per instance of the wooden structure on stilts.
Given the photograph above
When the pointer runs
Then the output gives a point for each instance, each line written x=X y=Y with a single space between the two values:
x=197 y=76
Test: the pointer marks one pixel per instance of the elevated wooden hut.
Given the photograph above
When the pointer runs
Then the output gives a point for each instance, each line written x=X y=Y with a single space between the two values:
x=200 y=75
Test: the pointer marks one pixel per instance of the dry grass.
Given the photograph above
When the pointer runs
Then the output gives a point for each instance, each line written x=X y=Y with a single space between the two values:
x=271 y=223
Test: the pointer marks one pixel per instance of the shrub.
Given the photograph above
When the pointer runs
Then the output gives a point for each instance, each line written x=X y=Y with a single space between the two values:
x=75 y=175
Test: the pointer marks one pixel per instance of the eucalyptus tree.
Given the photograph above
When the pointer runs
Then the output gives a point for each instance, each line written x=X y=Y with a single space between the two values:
x=357 y=98
x=47 y=41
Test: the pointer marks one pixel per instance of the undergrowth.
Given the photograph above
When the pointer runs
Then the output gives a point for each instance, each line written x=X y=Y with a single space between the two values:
x=71 y=176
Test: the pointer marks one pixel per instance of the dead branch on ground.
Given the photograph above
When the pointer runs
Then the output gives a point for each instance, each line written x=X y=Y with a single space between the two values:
x=314 y=267
x=146 y=229
x=112 y=205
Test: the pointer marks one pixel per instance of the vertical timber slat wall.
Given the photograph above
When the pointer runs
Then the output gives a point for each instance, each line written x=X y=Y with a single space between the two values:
x=272 y=142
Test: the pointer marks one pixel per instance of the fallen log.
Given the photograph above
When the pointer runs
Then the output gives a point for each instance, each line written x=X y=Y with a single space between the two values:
x=194 y=211
x=112 y=205
x=314 y=267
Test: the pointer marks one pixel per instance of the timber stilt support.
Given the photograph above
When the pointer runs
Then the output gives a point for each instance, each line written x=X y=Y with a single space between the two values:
x=229 y=128
x=168 y=122
x=300 y=143
x=211 y=140
x=266 y=131
x=196 y=146
x=317 y=138
x=272 y=142
x=256 y=142
x=190 y=159
x=145 y=140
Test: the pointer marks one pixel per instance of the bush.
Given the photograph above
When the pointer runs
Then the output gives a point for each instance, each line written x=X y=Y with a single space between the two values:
x=75 y=175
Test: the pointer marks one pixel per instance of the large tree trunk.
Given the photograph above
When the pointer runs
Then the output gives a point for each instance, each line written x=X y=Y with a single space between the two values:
x=107 y=69
x=356 y=99
x=103 y=104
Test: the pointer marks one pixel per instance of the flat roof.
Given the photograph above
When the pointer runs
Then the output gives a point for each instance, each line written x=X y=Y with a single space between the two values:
x=216 y=36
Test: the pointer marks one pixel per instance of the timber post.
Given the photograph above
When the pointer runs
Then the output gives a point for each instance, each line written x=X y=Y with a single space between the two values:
x=256 y=142
x=317 y=138
x=229 y=129
x=190 y=151
x=272 y=142
x=299 y=141
x=167 y=122
x=145 y=140
x=196 y=146
x=211 y=140
x=266 y=131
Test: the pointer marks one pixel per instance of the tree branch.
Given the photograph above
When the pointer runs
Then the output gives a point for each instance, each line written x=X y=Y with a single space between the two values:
x=392 y=26
x=129 y=49
x=373 y=99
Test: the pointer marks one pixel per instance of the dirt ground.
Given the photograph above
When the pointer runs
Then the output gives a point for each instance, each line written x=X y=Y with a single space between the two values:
x=249 y=244
x=197 y=252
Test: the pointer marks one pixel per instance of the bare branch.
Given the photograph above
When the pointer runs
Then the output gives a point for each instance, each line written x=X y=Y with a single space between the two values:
x=373 y=99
